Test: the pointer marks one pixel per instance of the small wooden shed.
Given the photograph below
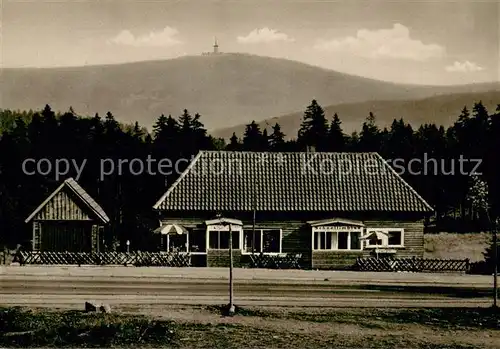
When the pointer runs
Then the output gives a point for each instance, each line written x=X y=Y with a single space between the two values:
x=68 y=220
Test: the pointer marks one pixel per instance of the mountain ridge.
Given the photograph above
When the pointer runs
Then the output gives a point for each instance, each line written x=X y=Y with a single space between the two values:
x=441 y=110
x=227 y=89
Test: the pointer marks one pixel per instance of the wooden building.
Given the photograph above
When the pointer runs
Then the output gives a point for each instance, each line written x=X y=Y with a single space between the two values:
x=329 y=207
x=69 y=220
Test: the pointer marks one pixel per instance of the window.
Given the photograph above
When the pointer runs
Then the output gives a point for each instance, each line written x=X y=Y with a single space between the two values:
x=197 y=241
x=177 y=243
x=391 y=237
x=374 y=242
x=37 y=232
x=271 y=241
x=174 y=242
x=249 y=241
x=395 y=238
x=322 y=240
x=266 y=241
x=326 y=238
x=219 y=240
x=343 y=237
x=355 y=241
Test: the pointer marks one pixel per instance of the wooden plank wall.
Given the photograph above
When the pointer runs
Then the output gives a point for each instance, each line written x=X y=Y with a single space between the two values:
x=335 y=260
x=297 y=238
x=220 y=258
x=66 y=236
x=413 y=235
x=63 y=206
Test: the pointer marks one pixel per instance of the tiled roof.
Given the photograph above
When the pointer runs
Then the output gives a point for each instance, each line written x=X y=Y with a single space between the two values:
x=342 y=182
x=81 y=193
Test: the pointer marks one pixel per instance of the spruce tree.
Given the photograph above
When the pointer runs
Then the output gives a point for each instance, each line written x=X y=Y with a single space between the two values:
x=252 y=138
x=336 y=137
x=370 y=139
x=277 y=139
x=234 y=143
x=314 y=127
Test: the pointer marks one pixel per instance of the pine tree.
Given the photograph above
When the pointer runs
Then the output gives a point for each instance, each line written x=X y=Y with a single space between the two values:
x=352 y=144
x=479 y=124
x=336 y=137
x=252 y=138
x=314 y=127
x=371 y=138
x=277 y=139
x=234 y=143
x=110 y=124
x=138 y=132
x=264 y=143
x=166 y=130
x=160 y=125
x=400 y=141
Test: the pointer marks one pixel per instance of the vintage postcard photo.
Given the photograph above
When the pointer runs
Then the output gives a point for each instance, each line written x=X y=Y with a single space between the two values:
x=249 y=173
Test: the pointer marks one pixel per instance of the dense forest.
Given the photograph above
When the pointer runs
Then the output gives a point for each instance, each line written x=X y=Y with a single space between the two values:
x=441 y=174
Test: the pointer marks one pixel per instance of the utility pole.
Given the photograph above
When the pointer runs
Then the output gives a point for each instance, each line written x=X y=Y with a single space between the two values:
x=231 y=303
x=254 y=204
x=495 y=264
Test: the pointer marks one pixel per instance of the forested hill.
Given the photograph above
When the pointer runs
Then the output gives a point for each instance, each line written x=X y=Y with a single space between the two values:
x=441 y=110
x=228 y=90
x=129 y=187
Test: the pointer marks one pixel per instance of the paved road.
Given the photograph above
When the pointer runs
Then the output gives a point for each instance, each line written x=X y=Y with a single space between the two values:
x=70 y=287
x=345 y=277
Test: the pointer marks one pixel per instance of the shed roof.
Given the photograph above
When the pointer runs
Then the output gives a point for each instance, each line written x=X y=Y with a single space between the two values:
x=85 y=198
x=288 y=182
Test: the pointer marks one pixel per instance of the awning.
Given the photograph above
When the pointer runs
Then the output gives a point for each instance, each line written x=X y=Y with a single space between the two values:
x=170 y=229
x=380 y=235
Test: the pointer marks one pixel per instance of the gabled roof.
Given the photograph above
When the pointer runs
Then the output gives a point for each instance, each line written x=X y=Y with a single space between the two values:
x=85 y=198
x=287 y=182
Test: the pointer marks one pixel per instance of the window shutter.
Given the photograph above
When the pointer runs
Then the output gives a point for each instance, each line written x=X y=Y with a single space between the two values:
x=37 y=230
x=95 y=238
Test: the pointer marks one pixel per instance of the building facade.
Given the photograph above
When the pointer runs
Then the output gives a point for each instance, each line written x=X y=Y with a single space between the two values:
x=329 y=208
x=69 y=220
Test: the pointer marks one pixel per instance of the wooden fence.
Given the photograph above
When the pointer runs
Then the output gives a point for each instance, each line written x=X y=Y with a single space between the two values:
x=281 y=261
x=412 y=264
x=146 y=259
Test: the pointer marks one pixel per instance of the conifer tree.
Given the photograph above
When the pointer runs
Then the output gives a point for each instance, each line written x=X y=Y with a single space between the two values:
x=314 y=128
x=252 y=138
x=336 y=137
x=277 y=139
x=370 y=139
x=234 y=143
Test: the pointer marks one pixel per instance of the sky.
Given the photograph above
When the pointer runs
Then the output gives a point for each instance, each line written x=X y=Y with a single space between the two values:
x=419 y=42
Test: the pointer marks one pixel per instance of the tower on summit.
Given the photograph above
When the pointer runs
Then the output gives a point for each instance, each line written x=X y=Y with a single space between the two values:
x=216 y=51
x=216 y=47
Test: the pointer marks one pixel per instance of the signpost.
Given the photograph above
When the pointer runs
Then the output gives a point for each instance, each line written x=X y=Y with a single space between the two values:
x=495 y=264
x=231 y=303
x=220 y=221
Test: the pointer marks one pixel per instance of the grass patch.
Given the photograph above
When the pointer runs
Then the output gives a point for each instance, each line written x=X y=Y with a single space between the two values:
x=449 y=318
x=28 y=328
x=366 y=328
x=456 y=246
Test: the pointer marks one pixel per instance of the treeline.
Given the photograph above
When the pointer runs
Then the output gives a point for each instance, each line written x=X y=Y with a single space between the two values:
x=128 y=196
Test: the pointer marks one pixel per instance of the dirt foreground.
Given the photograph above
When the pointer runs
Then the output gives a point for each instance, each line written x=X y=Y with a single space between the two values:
x=208 y=327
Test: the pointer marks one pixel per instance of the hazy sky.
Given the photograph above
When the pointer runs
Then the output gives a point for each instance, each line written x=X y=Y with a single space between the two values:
x=430 y=42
